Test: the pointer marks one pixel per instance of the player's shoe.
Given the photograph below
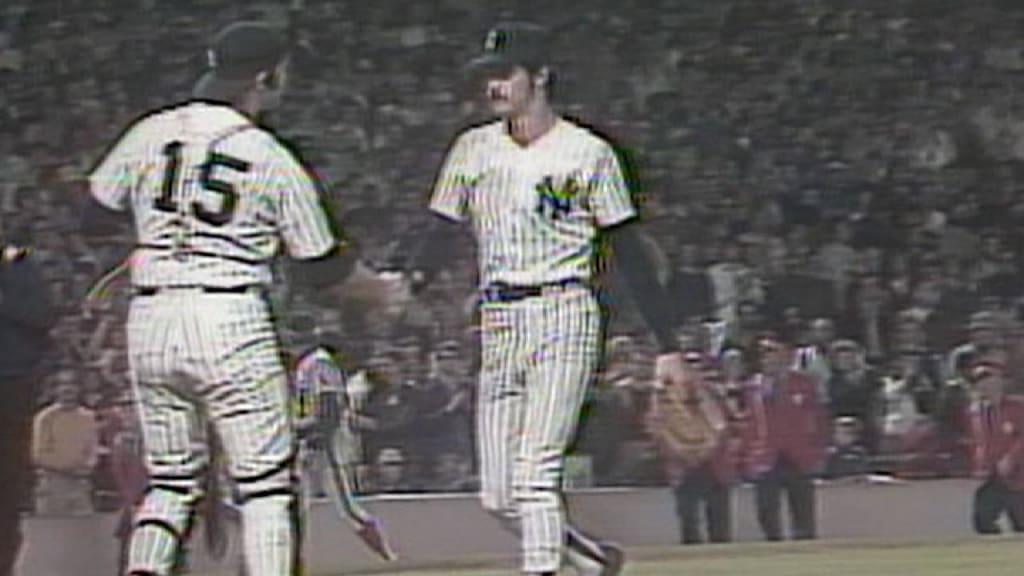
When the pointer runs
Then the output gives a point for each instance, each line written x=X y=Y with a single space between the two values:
x=614 y=559
x=373 y=536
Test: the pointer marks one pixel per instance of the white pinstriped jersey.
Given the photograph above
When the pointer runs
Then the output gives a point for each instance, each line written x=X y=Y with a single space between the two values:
x=213 y=197
x=536 y=209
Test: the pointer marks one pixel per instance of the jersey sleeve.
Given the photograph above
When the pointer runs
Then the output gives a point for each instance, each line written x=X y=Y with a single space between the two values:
x=113 y=178
x=609 y=192
x=303 y=219
x=455 y=181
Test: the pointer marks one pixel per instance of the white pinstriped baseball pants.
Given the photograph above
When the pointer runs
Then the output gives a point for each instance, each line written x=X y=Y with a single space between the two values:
x=199 y=356
x=539 y=356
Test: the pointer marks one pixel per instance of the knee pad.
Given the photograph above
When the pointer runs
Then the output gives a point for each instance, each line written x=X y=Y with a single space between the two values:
x=169 y=506
x=161 y=527
x=277 y=481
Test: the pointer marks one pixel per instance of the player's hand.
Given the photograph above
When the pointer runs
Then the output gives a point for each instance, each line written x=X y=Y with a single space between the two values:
x=669 y=370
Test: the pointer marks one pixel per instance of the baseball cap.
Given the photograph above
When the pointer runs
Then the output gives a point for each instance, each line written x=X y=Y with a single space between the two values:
x=237 y=54
x=510 y=44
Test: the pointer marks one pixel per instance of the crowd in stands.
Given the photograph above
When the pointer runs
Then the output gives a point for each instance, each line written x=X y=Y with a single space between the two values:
x=847 y=175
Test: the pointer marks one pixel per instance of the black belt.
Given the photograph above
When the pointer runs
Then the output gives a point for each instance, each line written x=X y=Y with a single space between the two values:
x=502 y=292
x=154 y=290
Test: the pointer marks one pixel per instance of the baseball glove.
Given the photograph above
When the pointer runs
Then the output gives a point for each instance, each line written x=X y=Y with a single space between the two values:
x=687 y=421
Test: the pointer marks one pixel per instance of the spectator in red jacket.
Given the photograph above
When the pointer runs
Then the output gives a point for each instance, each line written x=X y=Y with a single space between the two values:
x=997 y=432
x=786 y=439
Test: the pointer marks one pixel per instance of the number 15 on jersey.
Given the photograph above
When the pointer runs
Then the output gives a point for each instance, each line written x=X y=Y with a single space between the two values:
x=213 y=167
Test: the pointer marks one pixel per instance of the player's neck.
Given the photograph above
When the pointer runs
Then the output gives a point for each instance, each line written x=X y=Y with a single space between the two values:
x=527 y=128
x=249 y=106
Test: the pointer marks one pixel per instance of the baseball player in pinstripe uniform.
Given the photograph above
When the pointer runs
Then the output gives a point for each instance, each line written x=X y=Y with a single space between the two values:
x=538 y=189
x=214 y=197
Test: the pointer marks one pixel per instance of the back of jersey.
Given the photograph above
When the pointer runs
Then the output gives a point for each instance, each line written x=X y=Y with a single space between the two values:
x=213 y=197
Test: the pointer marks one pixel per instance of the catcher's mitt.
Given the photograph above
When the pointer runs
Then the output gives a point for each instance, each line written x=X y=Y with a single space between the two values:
x=688 y=421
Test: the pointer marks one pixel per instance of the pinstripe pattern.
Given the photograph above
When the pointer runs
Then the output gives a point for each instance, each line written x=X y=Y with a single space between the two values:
x=277 y=199
x=237 y=197
x=491 y=179
x=536 y=212
x=196 y=356
x=539 y=357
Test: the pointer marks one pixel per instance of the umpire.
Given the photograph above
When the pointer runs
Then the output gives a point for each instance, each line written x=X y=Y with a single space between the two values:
x=26 y=316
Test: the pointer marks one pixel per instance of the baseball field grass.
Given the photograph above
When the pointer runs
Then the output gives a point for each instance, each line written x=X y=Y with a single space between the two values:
x=997 y=557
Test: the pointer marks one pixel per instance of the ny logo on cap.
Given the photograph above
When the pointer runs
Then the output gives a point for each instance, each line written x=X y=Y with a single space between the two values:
x=211 y=58
x=495 y=40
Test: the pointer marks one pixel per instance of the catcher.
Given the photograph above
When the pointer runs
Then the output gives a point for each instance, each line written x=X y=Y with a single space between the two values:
x=690 y=424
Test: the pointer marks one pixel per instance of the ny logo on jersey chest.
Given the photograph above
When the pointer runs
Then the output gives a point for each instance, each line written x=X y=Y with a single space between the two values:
x=555 y=196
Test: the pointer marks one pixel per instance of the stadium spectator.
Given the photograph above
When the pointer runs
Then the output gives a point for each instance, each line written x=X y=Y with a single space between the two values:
x=616 y=399
x=868 y=318
x=952 y=427
x=729 y=281
x=798 y=287
x=785 y=442
x=813 y=355
x=733 y=376
x=702 y=484
x=997 y=423
x=846 y=456
x=453 y=472
x=983 y=337
x=853 y=390
x=444 y=424
x=837 y=260
x=26 y=317
x=691 y=285
x=391 y=474
x=65 y=449
x=898 y=413
x=390 y=412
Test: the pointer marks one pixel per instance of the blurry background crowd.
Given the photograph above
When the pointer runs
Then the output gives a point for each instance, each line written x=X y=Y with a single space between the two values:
x=846 y=174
